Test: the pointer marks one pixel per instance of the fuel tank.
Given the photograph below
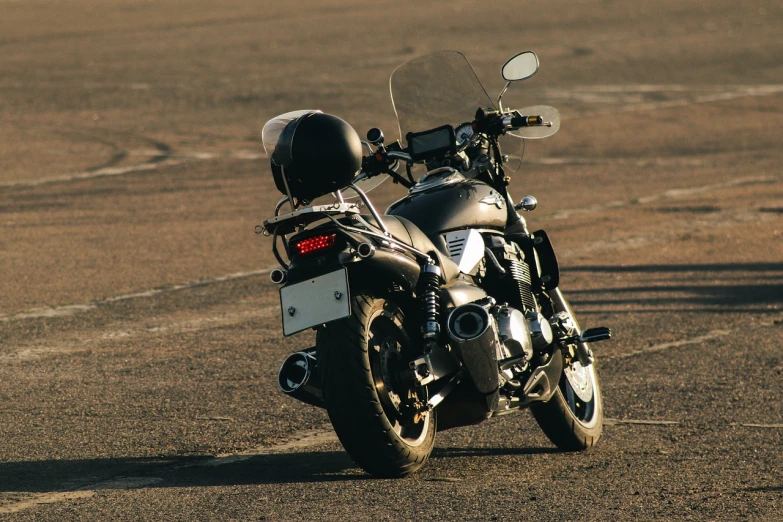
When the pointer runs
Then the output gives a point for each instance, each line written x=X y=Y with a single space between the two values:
x=445 y=200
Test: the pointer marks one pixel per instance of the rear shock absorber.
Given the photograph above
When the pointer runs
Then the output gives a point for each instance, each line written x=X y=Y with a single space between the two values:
x=429 y=284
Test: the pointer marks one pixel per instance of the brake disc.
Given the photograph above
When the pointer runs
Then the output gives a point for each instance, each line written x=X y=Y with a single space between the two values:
x=581 y=380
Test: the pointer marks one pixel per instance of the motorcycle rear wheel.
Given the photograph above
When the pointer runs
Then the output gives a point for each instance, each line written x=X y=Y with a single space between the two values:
x=571 y=423
x=360 y=360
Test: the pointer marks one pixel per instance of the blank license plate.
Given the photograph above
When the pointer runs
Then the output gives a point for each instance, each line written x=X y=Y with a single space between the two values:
x=315 y=301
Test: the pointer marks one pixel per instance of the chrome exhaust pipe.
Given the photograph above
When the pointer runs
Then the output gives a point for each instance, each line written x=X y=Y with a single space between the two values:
x=298 y=378
x=467 y=322
x=278 y=276
x=473 y=334
x=365 y=250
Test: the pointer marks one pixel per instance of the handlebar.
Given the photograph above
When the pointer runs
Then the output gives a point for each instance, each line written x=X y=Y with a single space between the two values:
x=489 y=121
x=493 y=121
x=516 y=122
x=399 y=155
x=385 y=161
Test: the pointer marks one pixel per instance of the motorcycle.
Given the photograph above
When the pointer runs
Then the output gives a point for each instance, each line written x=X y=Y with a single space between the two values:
x=445 y=310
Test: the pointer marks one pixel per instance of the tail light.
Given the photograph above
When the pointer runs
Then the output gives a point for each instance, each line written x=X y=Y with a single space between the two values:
x=315 y=244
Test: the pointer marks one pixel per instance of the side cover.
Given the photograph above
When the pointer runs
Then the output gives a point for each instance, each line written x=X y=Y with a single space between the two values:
x=466 y=248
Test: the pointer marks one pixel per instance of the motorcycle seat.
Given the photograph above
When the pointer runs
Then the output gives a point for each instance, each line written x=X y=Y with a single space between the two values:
x=407 y=232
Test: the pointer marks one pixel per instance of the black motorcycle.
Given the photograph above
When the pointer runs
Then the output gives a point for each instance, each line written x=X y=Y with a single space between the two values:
x=444 y=311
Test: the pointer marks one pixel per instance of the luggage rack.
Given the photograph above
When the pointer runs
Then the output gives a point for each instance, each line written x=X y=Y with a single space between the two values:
x=287 y=223
x=284 y=224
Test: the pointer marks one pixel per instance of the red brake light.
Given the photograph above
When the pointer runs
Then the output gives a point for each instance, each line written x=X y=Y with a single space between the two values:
x=314 y=244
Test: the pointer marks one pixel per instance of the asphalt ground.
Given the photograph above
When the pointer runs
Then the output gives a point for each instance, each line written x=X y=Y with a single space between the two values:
x=140 y=337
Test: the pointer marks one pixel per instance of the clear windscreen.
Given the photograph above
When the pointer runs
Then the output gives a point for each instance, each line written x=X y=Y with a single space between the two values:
x=442 y=88
x=430 y=91
x=365 y=185
x=436 y=89
x=514 y=147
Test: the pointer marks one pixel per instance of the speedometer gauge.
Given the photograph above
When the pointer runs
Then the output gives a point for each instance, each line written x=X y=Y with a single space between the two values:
x=463 y=134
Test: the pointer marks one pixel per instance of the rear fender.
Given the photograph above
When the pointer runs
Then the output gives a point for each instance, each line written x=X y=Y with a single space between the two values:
x=383 y=270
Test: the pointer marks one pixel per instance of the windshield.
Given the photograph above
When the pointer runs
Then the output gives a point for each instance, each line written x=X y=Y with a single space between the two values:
x=436 y=89
x=439 y=89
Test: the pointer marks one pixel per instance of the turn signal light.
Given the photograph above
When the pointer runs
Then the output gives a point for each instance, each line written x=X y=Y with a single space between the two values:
x=315 y=244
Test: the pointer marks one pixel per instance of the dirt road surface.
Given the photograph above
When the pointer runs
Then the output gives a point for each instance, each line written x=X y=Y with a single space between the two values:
x=140 y=336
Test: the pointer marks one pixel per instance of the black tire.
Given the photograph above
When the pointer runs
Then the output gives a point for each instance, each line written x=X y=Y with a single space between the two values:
x=359 y=358
x=571 y=423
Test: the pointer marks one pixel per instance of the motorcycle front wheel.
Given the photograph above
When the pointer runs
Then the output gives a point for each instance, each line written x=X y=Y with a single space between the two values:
x=573 y=418
x=362 y=361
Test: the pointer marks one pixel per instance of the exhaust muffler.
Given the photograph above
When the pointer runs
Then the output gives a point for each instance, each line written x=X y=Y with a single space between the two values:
x=473 y=334
x=298 y=378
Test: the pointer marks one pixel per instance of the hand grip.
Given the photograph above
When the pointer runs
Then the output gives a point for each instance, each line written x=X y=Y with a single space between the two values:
x=526 y=121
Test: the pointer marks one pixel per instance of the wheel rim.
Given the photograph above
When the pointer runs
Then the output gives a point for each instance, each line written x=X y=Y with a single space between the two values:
x=580 y=380
x=580 y=390
x=389 y=348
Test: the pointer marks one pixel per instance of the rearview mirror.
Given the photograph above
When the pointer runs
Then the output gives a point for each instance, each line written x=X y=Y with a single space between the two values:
x=520 y=67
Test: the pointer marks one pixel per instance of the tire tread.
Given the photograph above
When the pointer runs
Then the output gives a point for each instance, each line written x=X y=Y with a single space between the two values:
x=352 y=403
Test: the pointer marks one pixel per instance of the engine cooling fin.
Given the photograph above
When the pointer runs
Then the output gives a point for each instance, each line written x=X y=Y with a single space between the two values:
x=520 y=273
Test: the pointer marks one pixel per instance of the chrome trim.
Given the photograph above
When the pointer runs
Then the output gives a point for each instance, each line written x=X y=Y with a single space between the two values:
x=287 y=190
x=377 y=141
x=448 y=388
x=302 y=382
x=583 y=352
x=500 y=104
x=278 y=276
x=388 y=241
x=365 y=250
x=310 y=214
x=430 y=180
x=371 y=208
x=400 y=155
x=527 y=204
x=368 y=145
x=280 y=204
x=439 y=363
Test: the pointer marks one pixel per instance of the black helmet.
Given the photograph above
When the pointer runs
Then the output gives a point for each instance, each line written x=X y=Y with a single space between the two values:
x=317 y=153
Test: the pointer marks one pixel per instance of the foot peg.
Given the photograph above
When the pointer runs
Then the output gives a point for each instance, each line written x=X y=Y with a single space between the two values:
x=593 y=335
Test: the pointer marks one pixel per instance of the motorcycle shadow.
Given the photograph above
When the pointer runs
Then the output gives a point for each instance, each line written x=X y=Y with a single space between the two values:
x=446 y=453
x=48 y=476
x=175 y=471
x=719 y=288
